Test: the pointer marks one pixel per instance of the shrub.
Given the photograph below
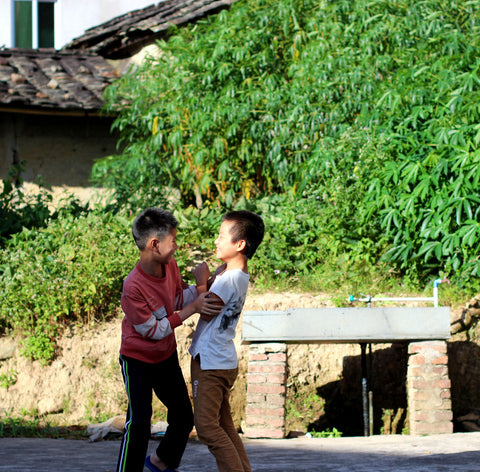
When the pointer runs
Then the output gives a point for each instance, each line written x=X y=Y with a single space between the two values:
x=68 y=272
x=18 y=211
x=371 y=107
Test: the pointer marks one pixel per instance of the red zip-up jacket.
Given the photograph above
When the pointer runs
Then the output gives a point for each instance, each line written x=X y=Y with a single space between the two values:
x=149 y=304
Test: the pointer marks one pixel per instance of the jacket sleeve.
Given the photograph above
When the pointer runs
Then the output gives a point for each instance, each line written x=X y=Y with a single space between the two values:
x=188 y=296
x=154 y=325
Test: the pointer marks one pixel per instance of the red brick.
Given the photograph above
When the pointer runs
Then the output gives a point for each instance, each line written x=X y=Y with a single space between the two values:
x=255 y=420
x=443 y=415
x=253 y=406
x=276 y=399
x=423 y=406
x=265 y=433
x=418 y=384
x=441 y=383
x=441 y=370
x=255 y=397
x=446 y=394
x=440 y=360
x=413 y=348
x=275 y=379
x=415 y=371
x=421 y=395
x=266 y=367
x=276 y=422
x=279 y=357
x=446 y=427
x=418 y=416
x=255 y=378
x=267 y=389
x=440 y=347
x=270 y=412
x=257 y=357
x=416 y=360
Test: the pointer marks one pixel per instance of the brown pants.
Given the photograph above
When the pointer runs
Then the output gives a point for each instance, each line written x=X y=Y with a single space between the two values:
x=213 y=418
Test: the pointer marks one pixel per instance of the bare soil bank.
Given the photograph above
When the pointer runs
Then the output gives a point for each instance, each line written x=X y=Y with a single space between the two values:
x=83 y=384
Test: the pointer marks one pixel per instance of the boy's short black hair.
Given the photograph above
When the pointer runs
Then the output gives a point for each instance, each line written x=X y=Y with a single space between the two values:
x=152 y=223
x=248 y=226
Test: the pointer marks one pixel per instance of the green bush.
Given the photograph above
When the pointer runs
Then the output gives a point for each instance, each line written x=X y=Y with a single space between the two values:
x=18 y=211
x=295 y=238
x=239 y=103
x=350 y=126
x=425 y=121
x=68 y=272
x=72 y=270
x=369 y=107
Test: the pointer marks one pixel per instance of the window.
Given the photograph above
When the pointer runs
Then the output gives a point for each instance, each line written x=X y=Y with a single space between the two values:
x=34 y=23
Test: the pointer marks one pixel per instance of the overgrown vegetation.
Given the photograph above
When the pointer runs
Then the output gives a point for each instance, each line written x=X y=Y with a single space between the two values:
x=20 y=427
x=369 y=108
x=350 y=126
x=67 y=272
x=328 y=433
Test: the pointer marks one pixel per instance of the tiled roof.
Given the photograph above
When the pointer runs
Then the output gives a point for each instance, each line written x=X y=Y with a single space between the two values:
x=53 y=80
x=125 y=35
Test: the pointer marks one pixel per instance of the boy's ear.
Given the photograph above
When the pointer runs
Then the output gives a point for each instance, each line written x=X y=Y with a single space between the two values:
x=151 y=243
x=241 y=245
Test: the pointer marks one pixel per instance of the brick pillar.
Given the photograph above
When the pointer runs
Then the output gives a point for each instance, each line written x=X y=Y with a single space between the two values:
x=266 y=390
x=428 y=388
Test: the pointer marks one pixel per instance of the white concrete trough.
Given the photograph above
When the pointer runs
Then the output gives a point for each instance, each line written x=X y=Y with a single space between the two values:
x=336 y=325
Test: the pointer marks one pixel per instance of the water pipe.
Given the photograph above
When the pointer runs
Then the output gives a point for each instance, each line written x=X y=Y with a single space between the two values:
x=369 y=299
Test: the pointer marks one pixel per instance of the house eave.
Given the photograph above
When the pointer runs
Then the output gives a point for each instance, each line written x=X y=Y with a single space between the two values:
x=53 y=112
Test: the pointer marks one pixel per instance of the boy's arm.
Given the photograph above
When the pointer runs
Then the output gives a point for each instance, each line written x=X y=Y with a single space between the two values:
x=218 y=301
x=204 y=305
x=191 y=292
x=158 y=325
x=201 y=274
x=154 y=325
x=188 y=296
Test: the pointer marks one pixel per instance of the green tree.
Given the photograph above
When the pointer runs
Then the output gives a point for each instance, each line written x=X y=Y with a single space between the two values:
x=369 y=107
x=235 y=105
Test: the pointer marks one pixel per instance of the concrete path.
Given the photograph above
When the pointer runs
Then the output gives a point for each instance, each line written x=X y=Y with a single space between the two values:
x=439 y=453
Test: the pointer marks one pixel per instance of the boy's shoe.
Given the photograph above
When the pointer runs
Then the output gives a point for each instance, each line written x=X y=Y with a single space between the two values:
x=153 y=468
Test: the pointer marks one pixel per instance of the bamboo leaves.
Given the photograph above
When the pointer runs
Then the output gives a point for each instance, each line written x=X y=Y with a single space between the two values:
x=371 y=106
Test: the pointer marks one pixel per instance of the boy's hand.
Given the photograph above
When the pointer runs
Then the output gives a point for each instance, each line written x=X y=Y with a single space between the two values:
x=219 y=270
x=201 y=274
x=209 y=305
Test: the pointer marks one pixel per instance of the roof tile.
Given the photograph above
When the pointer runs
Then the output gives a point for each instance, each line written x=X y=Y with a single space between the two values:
x=125 y=35
x=45 y=78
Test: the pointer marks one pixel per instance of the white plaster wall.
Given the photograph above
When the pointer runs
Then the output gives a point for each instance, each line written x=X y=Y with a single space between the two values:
x=76 y=17
x=5 y=23
x=72 y=17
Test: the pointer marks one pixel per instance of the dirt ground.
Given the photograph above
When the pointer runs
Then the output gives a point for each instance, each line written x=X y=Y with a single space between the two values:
x=83 y=384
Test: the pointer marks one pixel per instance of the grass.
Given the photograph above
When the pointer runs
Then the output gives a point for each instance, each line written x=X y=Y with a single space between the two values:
x=11 y=427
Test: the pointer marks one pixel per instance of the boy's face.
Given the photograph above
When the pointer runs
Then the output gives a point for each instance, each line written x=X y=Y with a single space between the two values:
x=165 y=248
x=226 y=248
